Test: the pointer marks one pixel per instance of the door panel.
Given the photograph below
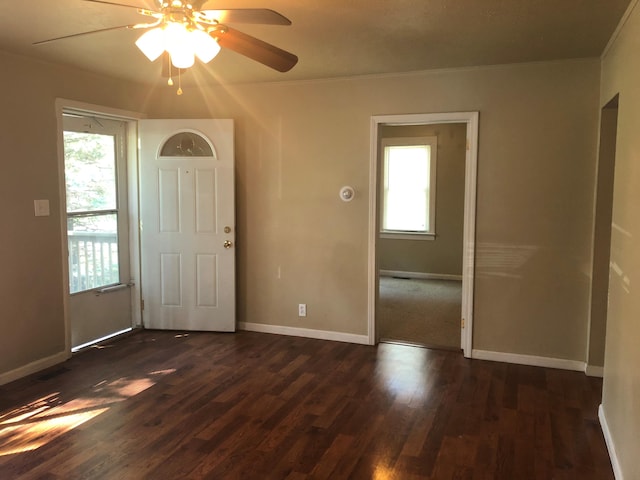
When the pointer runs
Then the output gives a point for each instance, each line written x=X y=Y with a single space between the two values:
x=94 y=315
x=188 y=213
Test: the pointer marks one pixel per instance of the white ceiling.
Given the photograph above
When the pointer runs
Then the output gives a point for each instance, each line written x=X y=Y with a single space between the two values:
x=332 y=38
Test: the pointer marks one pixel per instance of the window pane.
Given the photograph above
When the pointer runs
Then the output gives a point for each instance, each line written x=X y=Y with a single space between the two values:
x=90 y=172
x=406 y=200
x=93 y=251
x=408 y=168
x=401 y=217
x=186 y=144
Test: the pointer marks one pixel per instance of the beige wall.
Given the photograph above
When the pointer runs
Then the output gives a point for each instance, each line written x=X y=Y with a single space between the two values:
x=443 y=255
x=31 y=290
x=298 y=143
x=621 y=394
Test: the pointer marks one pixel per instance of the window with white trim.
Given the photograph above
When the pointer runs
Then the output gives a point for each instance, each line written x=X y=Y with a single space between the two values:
x=409 y=187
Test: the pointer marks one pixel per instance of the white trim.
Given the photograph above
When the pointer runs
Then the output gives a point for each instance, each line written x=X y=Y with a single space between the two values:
x=391 y=235
x=100 y=340
x=304 y=332
x=469 y=234
x=535 y=361
x=594 y=371
x=608 y=439
x=98 y=110
x=430 y=141
x=133 y=176
x=420 y=275
x=422 y=73
x=62 y=195
x=372 y=261
x=468 y=254
x=34 y=367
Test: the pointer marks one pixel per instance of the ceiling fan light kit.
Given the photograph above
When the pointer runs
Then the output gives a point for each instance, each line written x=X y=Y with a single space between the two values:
x=182 y=44
x=183 y=32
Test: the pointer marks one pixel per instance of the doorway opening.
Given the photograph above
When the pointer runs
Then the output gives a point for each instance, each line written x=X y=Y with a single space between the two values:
x=382 y=126
x=420 y=262
x=97 y=164
x=602 y=238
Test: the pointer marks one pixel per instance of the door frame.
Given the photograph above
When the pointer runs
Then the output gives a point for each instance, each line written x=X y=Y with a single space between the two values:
x=471 y=119
x=131 y=119
x=601 y=238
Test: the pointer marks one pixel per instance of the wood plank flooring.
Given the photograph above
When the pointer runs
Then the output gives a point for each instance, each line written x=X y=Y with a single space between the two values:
x=168 y=405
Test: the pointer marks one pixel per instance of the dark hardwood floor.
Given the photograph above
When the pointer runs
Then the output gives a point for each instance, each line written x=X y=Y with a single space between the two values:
x=164 y=405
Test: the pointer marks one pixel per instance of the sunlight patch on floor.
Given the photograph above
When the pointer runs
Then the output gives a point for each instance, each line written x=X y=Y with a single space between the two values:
x=31 y=426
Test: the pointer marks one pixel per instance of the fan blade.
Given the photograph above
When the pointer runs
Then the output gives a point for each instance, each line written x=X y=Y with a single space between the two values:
x=86 y=33
x=255 y=49
x=141 y=11
x=113 y=3
x=260 y=16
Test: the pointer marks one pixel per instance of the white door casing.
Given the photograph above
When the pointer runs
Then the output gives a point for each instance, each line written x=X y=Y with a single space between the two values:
x=188 y=227
x=471 y=119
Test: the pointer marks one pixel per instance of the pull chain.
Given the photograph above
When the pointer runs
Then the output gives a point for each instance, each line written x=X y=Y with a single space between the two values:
x=170 y=81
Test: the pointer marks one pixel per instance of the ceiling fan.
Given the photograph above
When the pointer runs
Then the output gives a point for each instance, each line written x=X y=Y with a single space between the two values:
x=180 y=31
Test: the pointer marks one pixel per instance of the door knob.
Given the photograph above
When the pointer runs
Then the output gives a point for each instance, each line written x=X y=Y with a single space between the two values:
x=228 y=244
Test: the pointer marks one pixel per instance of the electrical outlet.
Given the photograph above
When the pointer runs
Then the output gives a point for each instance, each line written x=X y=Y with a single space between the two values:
x=302 y=310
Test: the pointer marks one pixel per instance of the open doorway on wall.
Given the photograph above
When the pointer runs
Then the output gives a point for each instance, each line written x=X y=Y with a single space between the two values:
x=402 y=131
x=602 y=238
x=419 y=250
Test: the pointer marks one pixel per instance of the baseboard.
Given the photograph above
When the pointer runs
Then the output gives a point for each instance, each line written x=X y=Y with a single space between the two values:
x=594 y=371
x=420 y=275
x=304 y=332
x=532 y=360
x=33 y=367
x=617 y=470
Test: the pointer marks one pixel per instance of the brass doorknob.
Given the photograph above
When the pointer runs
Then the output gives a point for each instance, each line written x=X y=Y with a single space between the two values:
x=228 y=244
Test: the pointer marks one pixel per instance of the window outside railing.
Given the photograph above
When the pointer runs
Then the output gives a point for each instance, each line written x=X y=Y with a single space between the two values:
x=93 y=260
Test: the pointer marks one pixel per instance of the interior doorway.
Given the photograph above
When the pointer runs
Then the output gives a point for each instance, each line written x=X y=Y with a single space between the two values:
x=467 y=251
x=602 y=237
x=420 y=272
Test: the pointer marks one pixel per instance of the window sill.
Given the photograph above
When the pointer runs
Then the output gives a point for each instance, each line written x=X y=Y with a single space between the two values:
x=407 y=236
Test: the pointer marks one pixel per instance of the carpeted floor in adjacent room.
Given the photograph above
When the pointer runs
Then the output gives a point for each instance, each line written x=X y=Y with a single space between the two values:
x=424 y=312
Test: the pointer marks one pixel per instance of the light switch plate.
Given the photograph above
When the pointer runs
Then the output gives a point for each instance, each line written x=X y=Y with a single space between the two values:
x=41 y=208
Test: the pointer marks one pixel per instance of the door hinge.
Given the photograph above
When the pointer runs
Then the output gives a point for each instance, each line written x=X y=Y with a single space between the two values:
x=141 y=304
x=462 y=323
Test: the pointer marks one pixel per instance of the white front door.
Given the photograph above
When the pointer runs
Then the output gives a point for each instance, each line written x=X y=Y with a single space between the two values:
x=188 y=224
